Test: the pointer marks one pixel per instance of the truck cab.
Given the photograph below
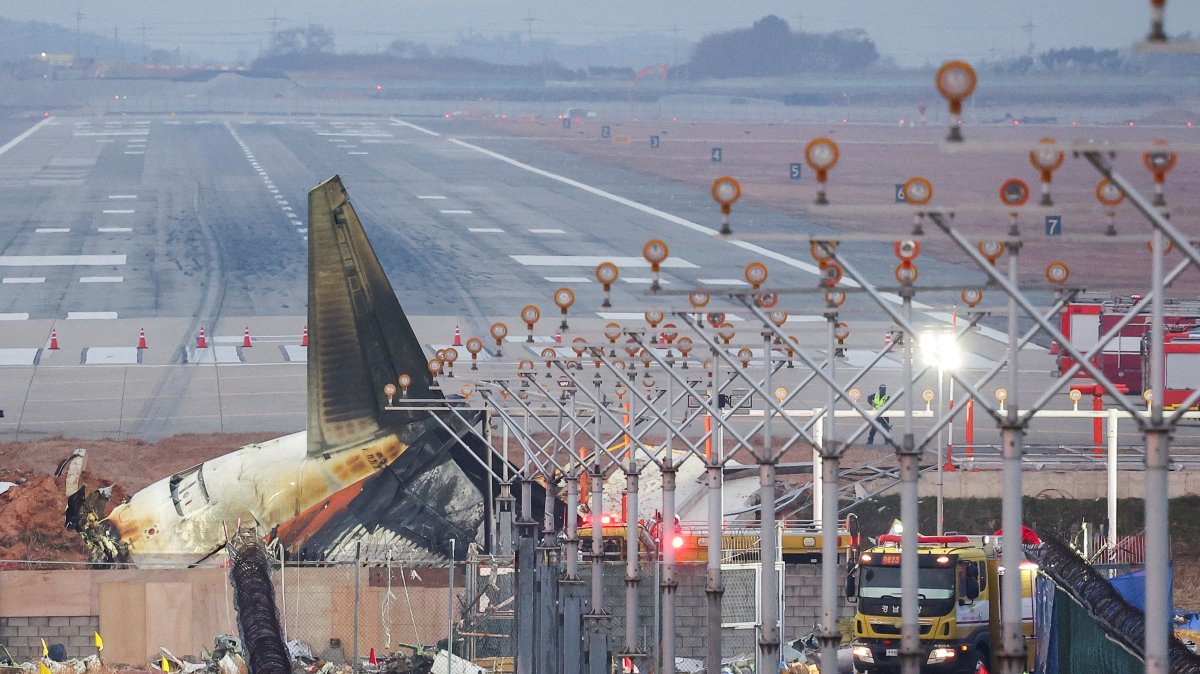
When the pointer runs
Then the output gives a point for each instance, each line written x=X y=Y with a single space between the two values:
x=959 y=581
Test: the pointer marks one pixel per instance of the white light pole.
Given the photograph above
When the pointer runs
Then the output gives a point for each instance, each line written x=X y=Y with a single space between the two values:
x=940 y=349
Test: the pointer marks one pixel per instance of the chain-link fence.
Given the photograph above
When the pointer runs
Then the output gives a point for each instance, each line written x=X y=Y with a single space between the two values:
x=345 y=612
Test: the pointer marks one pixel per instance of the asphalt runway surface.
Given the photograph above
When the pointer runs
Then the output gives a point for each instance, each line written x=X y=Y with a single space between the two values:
x=115 y=225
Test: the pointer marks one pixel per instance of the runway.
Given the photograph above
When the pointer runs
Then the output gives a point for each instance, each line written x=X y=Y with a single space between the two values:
x=168 y=224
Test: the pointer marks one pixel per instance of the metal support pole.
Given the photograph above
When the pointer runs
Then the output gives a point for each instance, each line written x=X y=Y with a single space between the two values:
x=909 y=458
x=1012 y=635
x=1158 y=459
x=526 y=607
x=667 y=543
x=571 y=584
x=941 y=492
x=450 y=608
x=829 y=635
x=633 y=576
x=596 y=619
x=1112 y=478
x=713 y=588
x=768 y=642
x=357 y=589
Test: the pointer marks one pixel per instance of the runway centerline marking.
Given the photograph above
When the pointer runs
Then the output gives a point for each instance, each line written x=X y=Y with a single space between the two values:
x=60 y=260
x=24 y=279
x=122 y=196
x=114 y=229
x=118 y=210
x=101 y=279
x=14 y=317
x=27 y=133
x=568 y=279
x=547 y=231
x=456 y=211
x=91 y=315
x=430 y=196
x=52 y=230
x=485 y=230
x=721 y=282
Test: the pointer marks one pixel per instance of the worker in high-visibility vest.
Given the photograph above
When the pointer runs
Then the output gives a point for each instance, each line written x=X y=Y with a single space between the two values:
x=878 y=400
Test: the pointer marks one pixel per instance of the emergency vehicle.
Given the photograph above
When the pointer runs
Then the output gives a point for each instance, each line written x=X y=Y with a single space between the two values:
x=959 y=603
x=1122 y=359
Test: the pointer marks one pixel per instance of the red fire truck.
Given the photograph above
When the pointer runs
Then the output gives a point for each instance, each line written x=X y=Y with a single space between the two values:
x=1181 y=367
x=1122 y=359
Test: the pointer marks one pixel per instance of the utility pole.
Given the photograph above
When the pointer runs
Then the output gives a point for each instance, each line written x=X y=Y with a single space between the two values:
x=529 y=32
x=1028 y=28
x=78 y=33
x=145 y=53
x=116 y=45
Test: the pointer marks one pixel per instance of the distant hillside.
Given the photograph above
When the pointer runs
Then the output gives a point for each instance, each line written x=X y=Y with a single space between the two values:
x=20 y=40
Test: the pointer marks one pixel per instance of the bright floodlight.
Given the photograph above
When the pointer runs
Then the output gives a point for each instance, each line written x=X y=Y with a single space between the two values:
x=940 y=349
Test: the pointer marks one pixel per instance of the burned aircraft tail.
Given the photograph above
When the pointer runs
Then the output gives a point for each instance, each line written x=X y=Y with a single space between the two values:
x=359 y=337
x=359 y=341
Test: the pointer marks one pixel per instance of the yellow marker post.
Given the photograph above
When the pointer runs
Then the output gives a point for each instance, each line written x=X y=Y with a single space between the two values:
x=42 y=668
x=166 y=665
x=98 y=641
x=45 y=649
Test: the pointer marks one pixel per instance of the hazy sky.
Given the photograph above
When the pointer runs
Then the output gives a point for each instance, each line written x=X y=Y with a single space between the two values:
x=912 y=31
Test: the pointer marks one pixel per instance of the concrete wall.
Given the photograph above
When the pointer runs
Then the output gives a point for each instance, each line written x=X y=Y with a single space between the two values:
x=1074 y=484
x=22 y=636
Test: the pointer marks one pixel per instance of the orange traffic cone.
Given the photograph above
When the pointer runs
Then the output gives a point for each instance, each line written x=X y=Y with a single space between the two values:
x=201 y=341
x=142 y=339
x=53 y=340
x=304 y=339
x=246 y=339
x=457 y=337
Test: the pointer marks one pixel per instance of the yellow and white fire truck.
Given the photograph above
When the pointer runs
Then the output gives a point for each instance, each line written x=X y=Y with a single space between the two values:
x=959 y=578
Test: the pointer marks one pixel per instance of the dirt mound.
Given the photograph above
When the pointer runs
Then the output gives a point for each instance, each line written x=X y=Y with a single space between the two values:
x=32 y=521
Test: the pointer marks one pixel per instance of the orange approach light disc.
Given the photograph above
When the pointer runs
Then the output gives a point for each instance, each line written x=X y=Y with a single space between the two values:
x=1046 y=157
x=907 y=250
x=822 y=155
x=1159 y=162
x=917 y=191
x=956 y=82
x=1108 y=194
x=1014 y=193
x=755 y=274
x=726 y=191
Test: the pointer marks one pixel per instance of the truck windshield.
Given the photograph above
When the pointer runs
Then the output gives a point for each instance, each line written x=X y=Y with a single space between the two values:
x=878 y=582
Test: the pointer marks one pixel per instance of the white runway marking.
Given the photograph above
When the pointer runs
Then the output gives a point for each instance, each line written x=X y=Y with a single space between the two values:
x=28 y=132
x=114 y=229
x=91 y=315
x=593 y=260
x=456 y=211
x=214 y=353
x=358 y=153
x=643 y=280
x=52 y=230
x=128 y=152
x=116 y=211
x=430 y=196
x=122 y=196
x=546 y=231
x=18 y=357
x=721 y=282
x=14 y=317
x=60 y=260
x=701 y=229
x=485 y=230
x=24 y=279
x=111 y=355
x=101 y=279
x=400 y=122
x=568 y=279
